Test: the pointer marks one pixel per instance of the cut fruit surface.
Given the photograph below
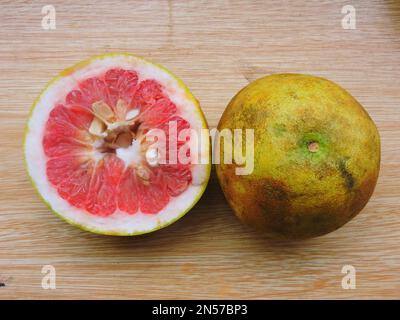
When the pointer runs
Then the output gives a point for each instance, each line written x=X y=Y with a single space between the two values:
x=88 y=153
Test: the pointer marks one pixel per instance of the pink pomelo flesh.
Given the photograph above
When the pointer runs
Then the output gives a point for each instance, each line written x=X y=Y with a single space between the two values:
x=102 y=186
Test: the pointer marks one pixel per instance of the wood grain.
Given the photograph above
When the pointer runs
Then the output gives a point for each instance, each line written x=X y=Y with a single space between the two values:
x=216 y=47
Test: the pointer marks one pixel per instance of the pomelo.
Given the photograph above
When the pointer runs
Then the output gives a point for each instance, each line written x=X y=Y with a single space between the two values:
x=87 y=151
x=316 y=156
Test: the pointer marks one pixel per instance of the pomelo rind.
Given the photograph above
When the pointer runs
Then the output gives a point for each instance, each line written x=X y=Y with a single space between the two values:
x=188 y=95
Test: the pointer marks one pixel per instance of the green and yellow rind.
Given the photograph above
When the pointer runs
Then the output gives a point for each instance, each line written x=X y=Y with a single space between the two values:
x=293 y=192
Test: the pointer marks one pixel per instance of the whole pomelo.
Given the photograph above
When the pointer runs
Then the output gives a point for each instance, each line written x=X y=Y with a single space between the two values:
x=316 y=156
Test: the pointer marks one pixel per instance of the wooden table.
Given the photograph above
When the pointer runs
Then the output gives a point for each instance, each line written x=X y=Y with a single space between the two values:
x=216 y=47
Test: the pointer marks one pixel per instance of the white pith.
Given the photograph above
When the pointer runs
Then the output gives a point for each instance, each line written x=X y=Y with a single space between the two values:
x=130 y=155
x=119 y=222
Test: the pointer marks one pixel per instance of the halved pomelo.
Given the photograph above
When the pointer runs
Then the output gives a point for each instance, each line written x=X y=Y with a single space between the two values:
x=87 y=150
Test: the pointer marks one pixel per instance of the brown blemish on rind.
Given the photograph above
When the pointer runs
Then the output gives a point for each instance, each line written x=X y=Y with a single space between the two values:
x=347 y=176
x=363 y=193
x=266 y=205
